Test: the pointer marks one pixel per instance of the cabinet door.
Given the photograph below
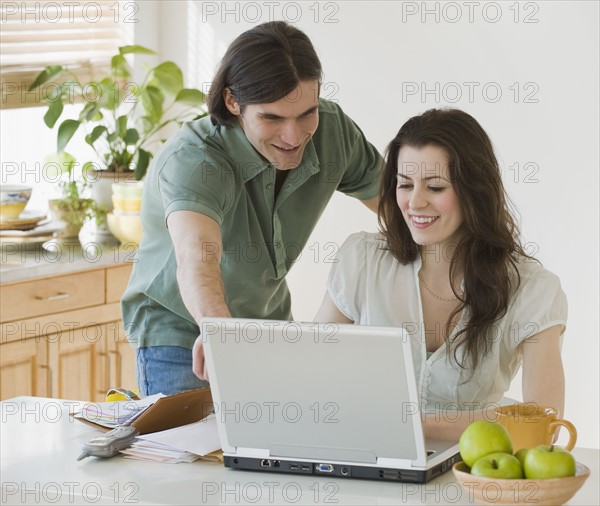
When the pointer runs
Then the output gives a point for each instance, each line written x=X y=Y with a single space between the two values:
x=121 y=356
x=79 y=363
x=24 y=369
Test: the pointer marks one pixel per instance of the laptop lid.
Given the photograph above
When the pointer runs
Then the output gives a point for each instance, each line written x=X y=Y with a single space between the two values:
x=307 y=390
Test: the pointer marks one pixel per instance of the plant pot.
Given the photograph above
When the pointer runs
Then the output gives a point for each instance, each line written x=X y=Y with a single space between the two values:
x=72 y=219
x=101 y=185
x=101 y=182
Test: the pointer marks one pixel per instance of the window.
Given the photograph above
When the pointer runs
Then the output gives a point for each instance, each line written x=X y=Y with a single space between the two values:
x=80 y=35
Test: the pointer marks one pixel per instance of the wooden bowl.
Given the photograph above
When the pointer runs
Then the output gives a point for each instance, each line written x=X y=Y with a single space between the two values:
x=534 y=492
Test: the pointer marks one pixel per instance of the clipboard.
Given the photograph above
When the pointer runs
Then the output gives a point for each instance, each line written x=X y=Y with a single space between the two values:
x=170 y=411
x=175 y=410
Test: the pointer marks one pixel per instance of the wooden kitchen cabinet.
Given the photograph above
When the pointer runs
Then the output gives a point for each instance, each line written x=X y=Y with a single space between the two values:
x=23 y=369
x=62 y=336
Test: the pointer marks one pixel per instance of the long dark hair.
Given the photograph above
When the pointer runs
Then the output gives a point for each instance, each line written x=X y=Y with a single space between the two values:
x=490 y=245
x=261 y=66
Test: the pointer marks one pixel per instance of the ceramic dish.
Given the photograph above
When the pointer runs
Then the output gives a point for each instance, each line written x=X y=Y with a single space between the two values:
x=45 y=227
x=26 y=221
x=534 y=492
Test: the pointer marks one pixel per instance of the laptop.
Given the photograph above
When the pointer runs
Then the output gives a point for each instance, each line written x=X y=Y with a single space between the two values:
x=319 y=399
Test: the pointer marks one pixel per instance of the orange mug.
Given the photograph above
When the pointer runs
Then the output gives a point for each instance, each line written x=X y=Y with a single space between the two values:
x=531 y=425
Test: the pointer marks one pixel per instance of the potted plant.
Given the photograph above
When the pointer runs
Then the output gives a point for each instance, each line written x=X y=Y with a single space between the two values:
x=123 y=120
x=72 y=208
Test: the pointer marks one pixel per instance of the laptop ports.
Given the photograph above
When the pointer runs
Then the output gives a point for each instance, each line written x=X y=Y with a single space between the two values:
x=269 y=463
x=324 y=468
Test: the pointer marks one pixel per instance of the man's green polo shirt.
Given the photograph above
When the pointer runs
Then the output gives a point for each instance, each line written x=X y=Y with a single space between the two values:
x=215 y=171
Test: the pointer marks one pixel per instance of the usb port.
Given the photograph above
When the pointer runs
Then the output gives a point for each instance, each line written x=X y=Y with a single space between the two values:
x=305 y=467
x=294 y=467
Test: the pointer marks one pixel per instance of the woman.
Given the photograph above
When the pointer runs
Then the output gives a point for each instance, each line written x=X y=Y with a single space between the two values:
x=449 y=268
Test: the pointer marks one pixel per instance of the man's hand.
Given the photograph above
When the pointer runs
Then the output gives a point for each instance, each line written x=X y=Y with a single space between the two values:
x=198 y=362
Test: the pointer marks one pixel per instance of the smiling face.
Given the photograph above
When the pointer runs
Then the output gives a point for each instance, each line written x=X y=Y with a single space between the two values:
x=426 y=197
x=280 y=130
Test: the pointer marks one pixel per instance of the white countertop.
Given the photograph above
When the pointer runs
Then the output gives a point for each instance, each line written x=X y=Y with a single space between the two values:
x=22 y=262
x=40 y=444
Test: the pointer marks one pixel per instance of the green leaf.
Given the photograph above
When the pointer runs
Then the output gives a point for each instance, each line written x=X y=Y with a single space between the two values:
x=95 y=135
x=144 y=124
x=43 y=77
x=131 y=136
x=110 y=94
x=84 y=112
x=56 y=93
x=65 y=131
x=135 y=50
x=168 y=77
x=121 y=126
x=54 y=111
x=94 y=114
x=141 y=165
x=190 y=96
x=56 y=164
x=152 y=102
x=119 y=66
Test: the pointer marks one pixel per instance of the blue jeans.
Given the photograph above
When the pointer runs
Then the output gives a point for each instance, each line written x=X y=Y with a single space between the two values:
x=166 y=369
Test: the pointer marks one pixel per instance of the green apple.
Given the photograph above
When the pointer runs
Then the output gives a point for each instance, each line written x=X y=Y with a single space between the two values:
x=498 y=465
x=481 y=438
x=548 y=461
x=521 y=456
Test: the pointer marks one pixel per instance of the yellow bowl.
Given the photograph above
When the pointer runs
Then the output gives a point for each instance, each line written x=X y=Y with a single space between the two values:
x=11 y=211
x=126 y=204
x=126 y=228
x=13 y=199
x=128 y=189
x=534 y=492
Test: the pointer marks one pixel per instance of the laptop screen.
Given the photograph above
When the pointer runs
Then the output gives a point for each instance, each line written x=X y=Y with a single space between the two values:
x=308 y=390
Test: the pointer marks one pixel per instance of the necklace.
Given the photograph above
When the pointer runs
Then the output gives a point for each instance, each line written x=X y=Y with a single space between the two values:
x=430 y=292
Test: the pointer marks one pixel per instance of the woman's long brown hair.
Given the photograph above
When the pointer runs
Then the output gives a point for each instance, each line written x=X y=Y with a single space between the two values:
x=490 y=244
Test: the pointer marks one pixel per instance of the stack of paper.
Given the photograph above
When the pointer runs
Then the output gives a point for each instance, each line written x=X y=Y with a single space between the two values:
x=149 y=450
x=111 y=414
x=181 y=444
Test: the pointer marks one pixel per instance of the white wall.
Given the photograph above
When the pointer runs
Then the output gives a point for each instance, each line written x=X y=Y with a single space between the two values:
x=379 y=57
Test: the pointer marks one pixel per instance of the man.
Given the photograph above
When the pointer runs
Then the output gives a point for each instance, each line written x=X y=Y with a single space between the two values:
x=231 y=200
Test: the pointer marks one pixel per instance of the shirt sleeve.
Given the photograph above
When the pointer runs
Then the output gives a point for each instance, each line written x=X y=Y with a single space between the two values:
x=364 y=167
x=190 y=180
x=540 y=303
x=346 y=283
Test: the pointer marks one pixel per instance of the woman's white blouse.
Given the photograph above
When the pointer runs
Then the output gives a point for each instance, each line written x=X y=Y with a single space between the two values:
x=369 y=286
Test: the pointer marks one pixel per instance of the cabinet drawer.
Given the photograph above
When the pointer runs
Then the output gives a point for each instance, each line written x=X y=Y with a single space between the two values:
x=51 y=295
x=116 y=282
